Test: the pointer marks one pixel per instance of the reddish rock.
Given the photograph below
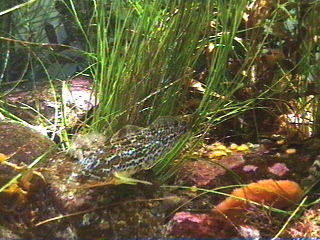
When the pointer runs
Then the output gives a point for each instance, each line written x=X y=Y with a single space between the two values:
x=204 y=173
x=249 y=168
x=278 y=169
x=185 y=224
x=200 y=173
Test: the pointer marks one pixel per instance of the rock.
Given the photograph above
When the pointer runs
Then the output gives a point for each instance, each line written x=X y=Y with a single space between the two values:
x=22 y=145
x=189 y=225
x=28 y=199
x=45 y=102
x=279 y=169
x=205 y=173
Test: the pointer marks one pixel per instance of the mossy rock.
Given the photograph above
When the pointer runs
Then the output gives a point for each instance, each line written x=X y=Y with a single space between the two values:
x=22 y=145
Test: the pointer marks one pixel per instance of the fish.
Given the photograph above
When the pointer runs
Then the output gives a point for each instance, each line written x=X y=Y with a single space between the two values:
x=132 y=149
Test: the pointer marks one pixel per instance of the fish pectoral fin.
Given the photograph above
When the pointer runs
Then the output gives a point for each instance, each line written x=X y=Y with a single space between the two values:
x=120 y=179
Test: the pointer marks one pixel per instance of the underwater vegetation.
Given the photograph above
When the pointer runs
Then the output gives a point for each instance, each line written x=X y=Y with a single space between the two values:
x=106 y=81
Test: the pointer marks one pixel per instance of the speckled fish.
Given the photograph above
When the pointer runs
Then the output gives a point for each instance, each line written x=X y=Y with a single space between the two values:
x=131 y=150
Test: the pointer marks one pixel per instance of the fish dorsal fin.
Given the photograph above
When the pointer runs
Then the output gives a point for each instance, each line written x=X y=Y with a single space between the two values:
x=124 y=132
x=164 y=121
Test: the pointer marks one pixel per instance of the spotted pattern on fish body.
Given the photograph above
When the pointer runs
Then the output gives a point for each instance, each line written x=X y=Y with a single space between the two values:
x=133 y=149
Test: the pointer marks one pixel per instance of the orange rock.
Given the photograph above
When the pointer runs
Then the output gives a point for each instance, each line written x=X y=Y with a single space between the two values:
x=278 y=194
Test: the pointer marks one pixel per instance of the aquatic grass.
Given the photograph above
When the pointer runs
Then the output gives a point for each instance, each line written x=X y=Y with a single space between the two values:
x=294 y=214
x=141 y=52
x=147 y=53
x=144 y=53
x=41 y=61
x=308 y=68
x=16 y=7
x=216 y=101
x=218 y=191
